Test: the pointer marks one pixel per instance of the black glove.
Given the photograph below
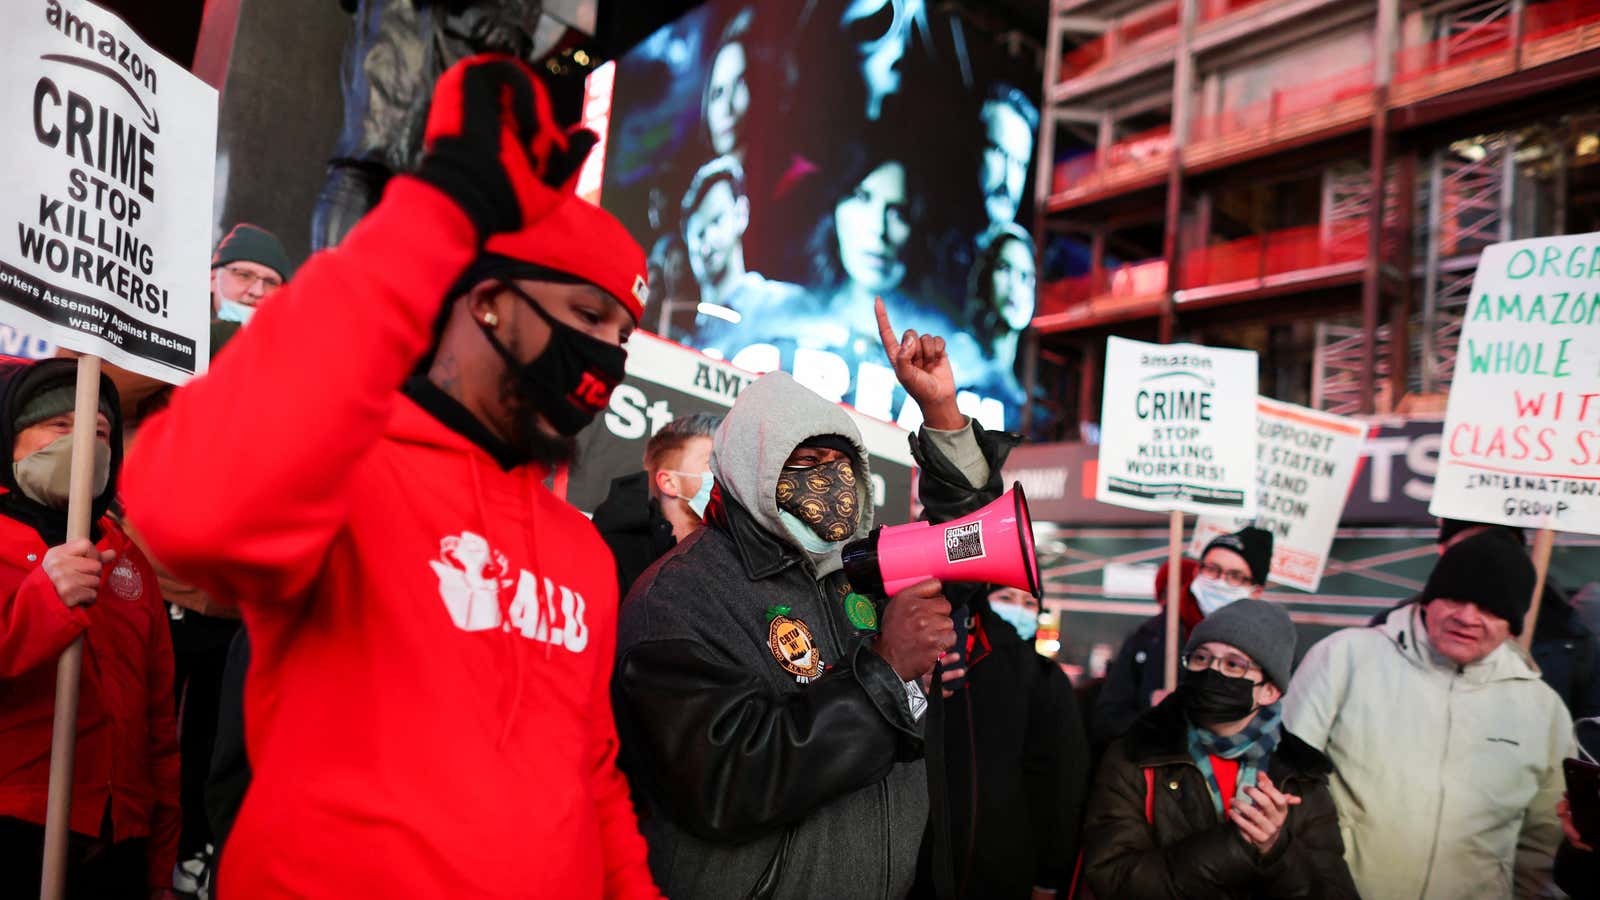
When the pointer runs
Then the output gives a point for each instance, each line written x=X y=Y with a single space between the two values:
x=494 y=147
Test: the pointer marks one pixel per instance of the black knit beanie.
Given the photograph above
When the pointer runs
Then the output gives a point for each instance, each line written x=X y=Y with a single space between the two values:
x=1489 y=570
x=1252 y=543
x=1449 y=528
x=249 y=243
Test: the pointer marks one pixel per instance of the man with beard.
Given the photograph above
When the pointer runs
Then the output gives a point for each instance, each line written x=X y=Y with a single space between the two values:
x=427 y=711
x=1009 y=123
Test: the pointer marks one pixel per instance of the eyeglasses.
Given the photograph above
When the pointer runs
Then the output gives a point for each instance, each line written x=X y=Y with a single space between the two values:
x=1230 y=665
x=1231 y=576
x=272 y=282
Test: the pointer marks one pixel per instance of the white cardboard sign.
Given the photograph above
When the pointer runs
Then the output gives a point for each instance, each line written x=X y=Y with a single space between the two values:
x=1178 y=428
x=1305 y=463
x=106 y=191
x=1521 y=442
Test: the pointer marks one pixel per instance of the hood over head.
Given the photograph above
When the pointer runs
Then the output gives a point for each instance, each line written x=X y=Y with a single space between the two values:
x=21 y=379
x=774 y=415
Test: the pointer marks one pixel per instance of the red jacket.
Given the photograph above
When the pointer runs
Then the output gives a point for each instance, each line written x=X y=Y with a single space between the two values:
x=127 y=745
x=427 y=711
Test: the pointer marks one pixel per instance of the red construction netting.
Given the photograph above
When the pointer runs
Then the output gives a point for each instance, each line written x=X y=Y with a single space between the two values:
x=1160 y=22
x=1216 y=9
x=1416 y=61
x=1287 y=101
x=1542 y=20
x=1274 y=253
x=1146 y=145
x=1147 y=278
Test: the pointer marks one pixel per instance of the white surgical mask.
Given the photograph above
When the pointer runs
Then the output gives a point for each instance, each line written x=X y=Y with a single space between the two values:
x=1023 y=619
x=233 y=311
x=701 y=497
x=1213 y=594
x=804 y=536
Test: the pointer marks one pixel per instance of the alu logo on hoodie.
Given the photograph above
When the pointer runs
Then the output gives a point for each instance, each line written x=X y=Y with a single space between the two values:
x=125 y=581
x=472 y=576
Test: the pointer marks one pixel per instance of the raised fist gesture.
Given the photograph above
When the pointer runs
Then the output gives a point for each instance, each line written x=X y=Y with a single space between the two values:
x=494 y=147
x=923 y=369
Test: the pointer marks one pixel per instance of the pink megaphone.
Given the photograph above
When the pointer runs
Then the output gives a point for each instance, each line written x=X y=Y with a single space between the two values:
x=994 y=544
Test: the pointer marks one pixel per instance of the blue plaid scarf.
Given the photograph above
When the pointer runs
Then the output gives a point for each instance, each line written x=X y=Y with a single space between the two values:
x=1250 y=747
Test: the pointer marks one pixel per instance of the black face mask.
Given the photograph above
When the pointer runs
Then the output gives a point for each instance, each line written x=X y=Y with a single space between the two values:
x=1212 y=698
x=571 y=381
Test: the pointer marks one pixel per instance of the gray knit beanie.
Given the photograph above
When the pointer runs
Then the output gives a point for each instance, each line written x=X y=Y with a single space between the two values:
x=1261 y=630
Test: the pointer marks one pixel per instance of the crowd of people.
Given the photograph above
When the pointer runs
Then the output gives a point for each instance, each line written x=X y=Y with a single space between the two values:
x=448 y=682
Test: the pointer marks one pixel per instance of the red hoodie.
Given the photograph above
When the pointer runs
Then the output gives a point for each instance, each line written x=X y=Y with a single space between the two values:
x=427 y=710
x=127 y=749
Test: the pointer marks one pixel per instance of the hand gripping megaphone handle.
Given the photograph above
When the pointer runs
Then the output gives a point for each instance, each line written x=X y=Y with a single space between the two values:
x=993 y=545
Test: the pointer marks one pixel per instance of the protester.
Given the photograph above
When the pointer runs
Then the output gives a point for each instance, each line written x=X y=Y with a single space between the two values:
x=201 y=631
x=1017 y=756
x=771 y=720
x=124 y=817
x=1010 y=741
x=647 y=513
x=1233 y=567
x=1446 y=745
x=248 y=265
x=1208 y=794
x=427 y=711
x=1565 y=649
x=228 y=777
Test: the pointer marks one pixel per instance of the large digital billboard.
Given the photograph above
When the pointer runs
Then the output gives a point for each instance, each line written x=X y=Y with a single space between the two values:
x=786 y=163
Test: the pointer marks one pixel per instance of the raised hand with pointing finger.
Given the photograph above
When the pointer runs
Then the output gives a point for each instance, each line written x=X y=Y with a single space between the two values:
x=923 y=369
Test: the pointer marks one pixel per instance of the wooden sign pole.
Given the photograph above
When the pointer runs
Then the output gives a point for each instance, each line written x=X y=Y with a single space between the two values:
x=1174 y=591
x=64 y=731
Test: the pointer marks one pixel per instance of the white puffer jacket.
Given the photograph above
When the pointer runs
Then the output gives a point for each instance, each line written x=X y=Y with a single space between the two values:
x=1447 y=776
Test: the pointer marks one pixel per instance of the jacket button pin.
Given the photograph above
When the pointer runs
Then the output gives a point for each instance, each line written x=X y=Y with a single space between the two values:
x=33 y=557
x=1172 y=785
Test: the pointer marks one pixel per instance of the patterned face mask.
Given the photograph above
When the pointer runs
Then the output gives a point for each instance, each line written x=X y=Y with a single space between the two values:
x=823 y=497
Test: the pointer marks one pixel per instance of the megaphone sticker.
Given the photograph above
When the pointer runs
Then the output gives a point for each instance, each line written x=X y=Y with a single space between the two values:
x=963 y=542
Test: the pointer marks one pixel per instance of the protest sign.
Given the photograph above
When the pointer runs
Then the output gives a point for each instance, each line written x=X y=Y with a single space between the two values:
x=1305 y=463
x=1178 y=427
x=667 y=380
x=1522 y=430
x=110 y=155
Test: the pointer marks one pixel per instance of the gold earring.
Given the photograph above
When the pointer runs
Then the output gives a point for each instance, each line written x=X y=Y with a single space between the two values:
x=490 y=319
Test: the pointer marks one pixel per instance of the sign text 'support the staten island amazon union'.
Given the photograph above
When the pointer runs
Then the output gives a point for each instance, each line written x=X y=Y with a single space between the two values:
x=1178 y=428
x=1305 y=464
x=107 y=189
x=1521 y=442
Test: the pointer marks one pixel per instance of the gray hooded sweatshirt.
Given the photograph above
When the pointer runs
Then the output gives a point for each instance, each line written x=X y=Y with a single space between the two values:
x=753 y=780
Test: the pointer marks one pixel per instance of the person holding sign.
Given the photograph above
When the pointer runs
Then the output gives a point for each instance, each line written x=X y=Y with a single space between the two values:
x=1208 y=794
x=124 y=817
x=1447 y=746
x=1233 y=567
x=428 y=708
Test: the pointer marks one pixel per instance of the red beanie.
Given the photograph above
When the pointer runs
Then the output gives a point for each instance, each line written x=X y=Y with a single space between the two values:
x=580 y=239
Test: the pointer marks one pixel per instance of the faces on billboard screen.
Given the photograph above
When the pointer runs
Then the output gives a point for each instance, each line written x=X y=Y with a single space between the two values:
x=1009 y=123
x=872 y=228
x=788 y=164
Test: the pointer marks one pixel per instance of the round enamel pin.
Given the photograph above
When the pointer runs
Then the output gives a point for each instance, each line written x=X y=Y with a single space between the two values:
x=791 y=645
x=125 y=580
x=861 y=611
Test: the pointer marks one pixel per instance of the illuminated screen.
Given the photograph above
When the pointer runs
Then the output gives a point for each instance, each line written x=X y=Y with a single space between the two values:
x=785 y=163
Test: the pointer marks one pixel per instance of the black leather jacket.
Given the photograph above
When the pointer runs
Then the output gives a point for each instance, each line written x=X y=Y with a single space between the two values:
x=749 y=782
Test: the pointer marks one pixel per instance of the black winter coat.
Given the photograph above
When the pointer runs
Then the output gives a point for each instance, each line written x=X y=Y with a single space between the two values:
x=1137 y=672
x=1016 y=754
x=630 y=522
x=1182 y=850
